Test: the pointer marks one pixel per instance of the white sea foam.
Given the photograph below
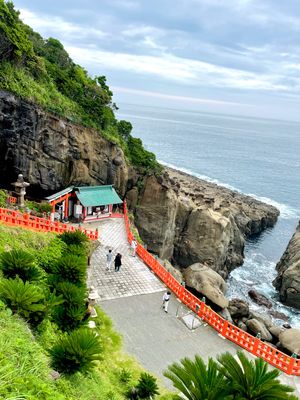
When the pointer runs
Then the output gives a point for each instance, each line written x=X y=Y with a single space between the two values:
x=286 y=212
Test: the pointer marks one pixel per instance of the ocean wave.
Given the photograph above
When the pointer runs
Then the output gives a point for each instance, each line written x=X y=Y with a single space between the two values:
x=286 y=211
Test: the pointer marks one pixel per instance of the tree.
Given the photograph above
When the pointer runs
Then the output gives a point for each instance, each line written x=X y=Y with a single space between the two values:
x=251 y=380
x=124 y=129
x=196 y=381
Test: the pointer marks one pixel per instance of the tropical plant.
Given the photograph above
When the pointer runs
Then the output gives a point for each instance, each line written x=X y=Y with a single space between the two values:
x=196 y=381
x=251 y=380
x=22 y=298
x=76 y=351
x=75 y=237
x=71 y=268
x=125 y=375
x=77 y=250
x=147 y=387
x=69 y=315
x=19 y=263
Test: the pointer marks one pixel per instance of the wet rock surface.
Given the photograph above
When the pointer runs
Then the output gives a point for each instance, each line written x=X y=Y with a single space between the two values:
x=287 y=281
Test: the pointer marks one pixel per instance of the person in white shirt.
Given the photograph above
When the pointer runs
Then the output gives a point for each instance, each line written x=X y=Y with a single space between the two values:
x=108 y=260
x=133 y=247
x=166 y=299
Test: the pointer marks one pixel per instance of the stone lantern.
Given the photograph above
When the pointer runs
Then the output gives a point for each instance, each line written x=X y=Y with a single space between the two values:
x=93 y=296
x=20 y=190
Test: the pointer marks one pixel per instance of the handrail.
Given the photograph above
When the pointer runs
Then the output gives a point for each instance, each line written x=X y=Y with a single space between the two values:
x=27 y=221
x=253 y=345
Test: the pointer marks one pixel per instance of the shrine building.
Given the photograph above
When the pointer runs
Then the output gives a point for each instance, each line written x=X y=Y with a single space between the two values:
x=87 y=203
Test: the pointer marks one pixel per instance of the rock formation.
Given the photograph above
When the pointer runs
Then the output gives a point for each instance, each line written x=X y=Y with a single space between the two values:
x=206 y=282
x=190 y=220
x=290 y=340
x=181 y=218
x=53 y=153
x=287 y=281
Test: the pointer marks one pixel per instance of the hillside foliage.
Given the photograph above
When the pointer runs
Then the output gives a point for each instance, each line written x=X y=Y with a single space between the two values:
x=44 y=327
x=40 y=70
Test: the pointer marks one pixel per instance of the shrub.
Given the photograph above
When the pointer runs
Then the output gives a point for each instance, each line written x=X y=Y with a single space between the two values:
x=77 y=250
x=71 y=268
x=147 y=386
x=21 y=297
x=3 y=198
x=19 y=263
x=76 y=237
x=70 y=314
x=125 y=375
x=49 y=255
x=38 y=207
x=77 y=351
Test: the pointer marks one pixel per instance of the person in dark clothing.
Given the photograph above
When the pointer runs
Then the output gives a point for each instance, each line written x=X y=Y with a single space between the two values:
x=118 y=262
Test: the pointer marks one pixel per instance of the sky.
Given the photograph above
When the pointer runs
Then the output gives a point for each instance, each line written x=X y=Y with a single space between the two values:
x=237 y=57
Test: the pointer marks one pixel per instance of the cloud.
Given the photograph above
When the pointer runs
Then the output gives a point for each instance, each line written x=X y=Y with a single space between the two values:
x=47 y=25
x=180 y=70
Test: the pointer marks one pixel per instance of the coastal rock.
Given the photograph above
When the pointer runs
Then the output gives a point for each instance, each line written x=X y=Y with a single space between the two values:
x=52 y=152
x=226 y=315
x=207 y=283
x=238 y=308
x=290 y=340
x=276 y=330
x=287 y=281
x=259 y=298
x=173 y=271
x=256 y=326
x=180 y=217
x=262 y=317
x=199 y=221
x=278 y=315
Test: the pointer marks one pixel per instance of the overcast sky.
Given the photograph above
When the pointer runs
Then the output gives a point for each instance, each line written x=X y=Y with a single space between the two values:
x=230 y=56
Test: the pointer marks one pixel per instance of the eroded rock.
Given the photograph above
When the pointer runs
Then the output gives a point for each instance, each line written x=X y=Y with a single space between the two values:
x=257 y=326
x=259 y=298
x=206 y=282
x=287 y=281
x=238 y=308
x=290 y=340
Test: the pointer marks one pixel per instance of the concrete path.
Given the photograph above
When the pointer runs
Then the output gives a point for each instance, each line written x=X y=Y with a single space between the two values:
x=133 y=298
x=157 y=339
x=134 y=277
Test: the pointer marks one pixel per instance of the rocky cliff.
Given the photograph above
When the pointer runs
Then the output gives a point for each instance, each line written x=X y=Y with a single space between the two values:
x=53 y=153
x=287 y=281
x=190 y=220
x=180 y=217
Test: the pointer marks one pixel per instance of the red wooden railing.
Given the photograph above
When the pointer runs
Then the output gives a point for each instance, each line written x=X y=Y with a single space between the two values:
x=16 y=218
x=253 y=345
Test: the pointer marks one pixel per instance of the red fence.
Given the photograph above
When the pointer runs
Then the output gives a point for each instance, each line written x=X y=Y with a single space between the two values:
x=15 y=218
x=253 y=345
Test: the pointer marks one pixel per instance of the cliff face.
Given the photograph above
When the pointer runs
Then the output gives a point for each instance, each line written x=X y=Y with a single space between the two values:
x=190 y=220
x=53 y=153
x=287 y=281
x=180 y=217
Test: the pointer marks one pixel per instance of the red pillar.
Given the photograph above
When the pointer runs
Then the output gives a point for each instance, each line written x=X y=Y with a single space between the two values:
x=67 y=207
x=110 y=208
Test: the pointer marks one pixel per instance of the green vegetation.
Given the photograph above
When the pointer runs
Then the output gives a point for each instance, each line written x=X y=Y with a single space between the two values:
x=38 y=208
x=3 y=198
x=19 y=263
x=76 y=352
x=41 y=71
x=38 y=334
x=227 y=379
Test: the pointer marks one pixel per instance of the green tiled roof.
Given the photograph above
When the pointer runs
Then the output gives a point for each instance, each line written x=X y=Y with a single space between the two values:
x=97 y=195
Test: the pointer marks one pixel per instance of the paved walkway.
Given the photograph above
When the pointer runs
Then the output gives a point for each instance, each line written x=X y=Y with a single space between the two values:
x=133 y=297
x=134 y=278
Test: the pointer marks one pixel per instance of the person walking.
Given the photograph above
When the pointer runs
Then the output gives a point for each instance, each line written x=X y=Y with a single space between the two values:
x=118 y=262
x=166 y=299
x=133 y=247
x=108 y=260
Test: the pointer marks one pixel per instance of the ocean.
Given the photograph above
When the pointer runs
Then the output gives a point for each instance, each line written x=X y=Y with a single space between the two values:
x=259 y=157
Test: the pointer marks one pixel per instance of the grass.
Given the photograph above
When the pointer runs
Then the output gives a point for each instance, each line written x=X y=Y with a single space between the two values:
x=24 y=359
